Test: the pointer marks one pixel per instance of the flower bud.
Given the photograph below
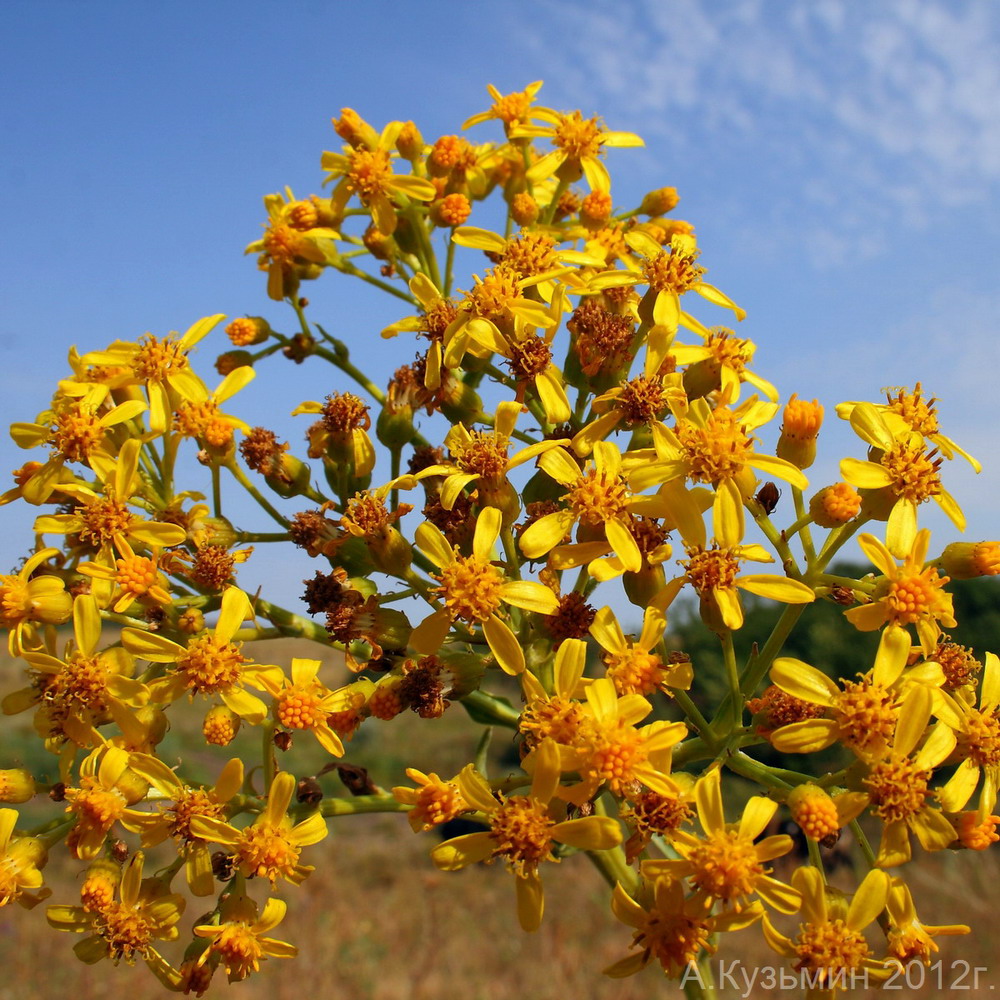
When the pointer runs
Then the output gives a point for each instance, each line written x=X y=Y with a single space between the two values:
x=231 y=360
x=409 y=142
x=966 y=560
x=16 y=785
x=642 y=587
x=834 y=505
x=524 y=210
x=814 y=811
x=220 y=726
x=799 y=430
x=245 y=331
x=660 y=201
x=191 y=621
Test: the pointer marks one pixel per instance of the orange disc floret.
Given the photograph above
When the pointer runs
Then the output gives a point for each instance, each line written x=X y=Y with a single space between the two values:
x=830 y=948
x=799 y=430
x=471 y=588
x=524 y=210
x=814 y=811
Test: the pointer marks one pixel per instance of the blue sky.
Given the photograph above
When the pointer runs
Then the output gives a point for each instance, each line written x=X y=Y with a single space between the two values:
x=839 y=159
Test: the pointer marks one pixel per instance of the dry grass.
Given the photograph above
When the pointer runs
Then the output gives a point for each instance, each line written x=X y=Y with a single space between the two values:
x=377 y=922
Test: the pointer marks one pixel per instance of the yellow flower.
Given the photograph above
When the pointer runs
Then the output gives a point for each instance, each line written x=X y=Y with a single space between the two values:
x=720 y=364
x=173 y=817
x=473 y=590
x=270 y=847
x=598 y=498
x=612 y=752
x=862 y=715
x=670 y=273
x=830 y=946
x=85 y=689
x=908 y=411
x=108 y=786
x=910 y=594
x=727 y=863
x=523 y=831
x=26 y=599
x=146 y=911
x=341 y=434
x=162 y=366
x=671 y=929
x=437 y=314
x=482 y=457
x=238 y=941
x=978 y=734
x=77 y=432
x=294 y=242
x=211 y=663
x=901 y=475
x=909 y=939
x=367 y=173
x=304 y=702
x=97 y=519
x=206 y=423
x=134 y=577
x=510 y=109
x=579 y=145
x=434 y=801
x=632 y=666
x=714 y=571
x=558 y=715
x=20 y=861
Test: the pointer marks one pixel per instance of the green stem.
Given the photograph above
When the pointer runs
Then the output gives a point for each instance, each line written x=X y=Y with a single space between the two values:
x=806 y=535
x=240 y=476
x=510 y=551
x=362 y=804
x=760 y=664
x=344 y=364
x=484 y=704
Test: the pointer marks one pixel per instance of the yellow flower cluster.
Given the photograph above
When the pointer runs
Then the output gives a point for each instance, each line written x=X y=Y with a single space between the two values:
x=605 y=446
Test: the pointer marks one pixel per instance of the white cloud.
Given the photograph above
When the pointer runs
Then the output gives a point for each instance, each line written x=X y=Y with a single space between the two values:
x=892 y=106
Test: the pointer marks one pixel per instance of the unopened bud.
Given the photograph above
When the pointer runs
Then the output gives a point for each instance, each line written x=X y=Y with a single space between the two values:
x=814 y=811
x=799 y=430
x=834 y=505
x=966 y=560
x=16 y=785
x=220 y=726
x=660 y=201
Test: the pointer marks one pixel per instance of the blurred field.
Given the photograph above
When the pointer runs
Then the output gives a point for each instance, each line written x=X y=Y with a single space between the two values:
x=376 y=921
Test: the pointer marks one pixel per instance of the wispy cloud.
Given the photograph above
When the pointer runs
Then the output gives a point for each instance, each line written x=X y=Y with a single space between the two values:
x=867 y=114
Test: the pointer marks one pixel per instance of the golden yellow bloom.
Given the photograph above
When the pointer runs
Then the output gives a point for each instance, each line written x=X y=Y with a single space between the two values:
x=367 y=173
x=481 y=457
x=270 y=847
x=909 y=939
x=726 y=863
x=799 y=430
x=579 y=143
x=174 y=815
x=21 y=859
x=473 y=589
x=295 y=244
x=967 y=560
x=671 y=929
x=239 y=940
x=27 y=599
x=341 y=433
x=978 y=734
x=108 y=786
x=632 y=666
x=162 y=366
x=120 y=582
x=510 y=109
x=523 y=831
x=559 y=714
x=900 y=474
x=598 y=498
x=830 y=946
x=434 y=801
x=210 y=664
x=304 y=702
x=98 y=518
x=87 y=688
x=910 y=594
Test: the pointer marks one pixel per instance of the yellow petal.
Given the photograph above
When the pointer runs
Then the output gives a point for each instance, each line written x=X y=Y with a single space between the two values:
x=504 y=645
